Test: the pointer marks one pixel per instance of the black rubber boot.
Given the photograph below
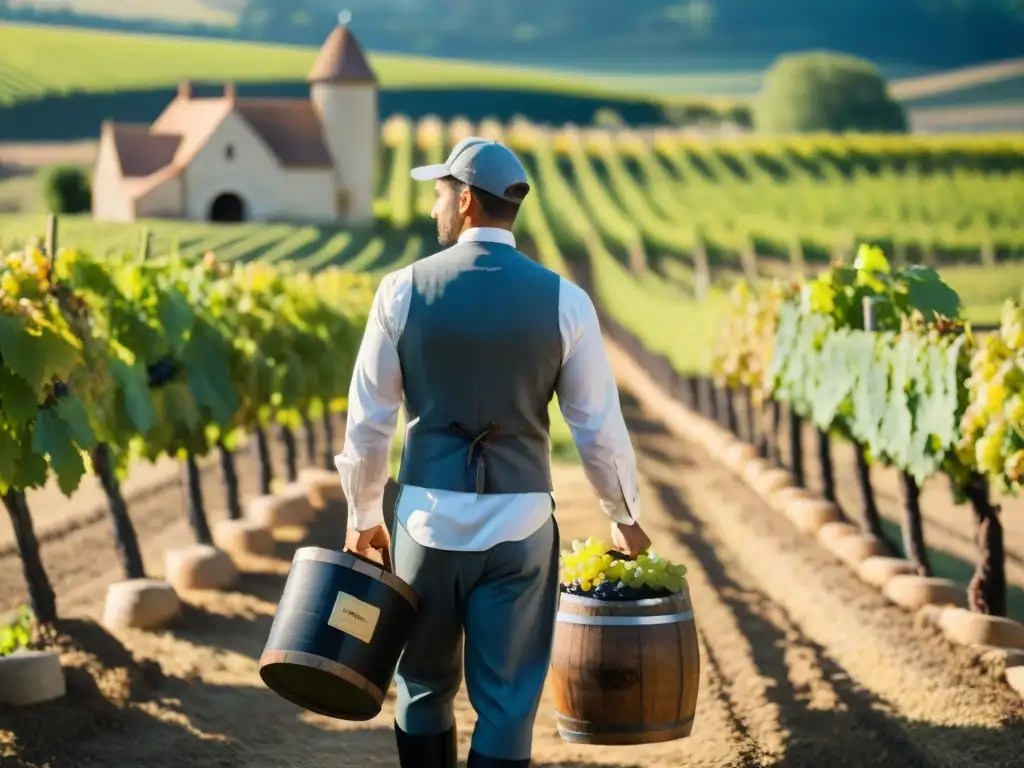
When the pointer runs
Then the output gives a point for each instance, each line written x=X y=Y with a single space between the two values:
x=438 y=751
x=476 y=760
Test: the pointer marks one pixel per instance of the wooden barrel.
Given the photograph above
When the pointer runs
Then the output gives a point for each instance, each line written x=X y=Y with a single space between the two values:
x=625 y=672
x=339 y=629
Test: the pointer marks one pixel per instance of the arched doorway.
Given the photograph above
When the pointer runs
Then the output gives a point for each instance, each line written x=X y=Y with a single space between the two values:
x=227 y=207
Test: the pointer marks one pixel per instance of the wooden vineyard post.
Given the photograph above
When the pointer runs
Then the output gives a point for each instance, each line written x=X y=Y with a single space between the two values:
x=731 y=422
x=328 y=439
x=307 y=425
x=40 y=591
x=637 y=255
x=871 y=519
x=229 y=475
x=749 y=418
x=701 y=267
x=145 y=242
x=796 y=257
x=988 y=254
x=912 y=528
x=51 y=236
x=291 y=459
x=828 y=477
x=796 y=446
x=900 y=253
x=263 y=453
x=748 y=260
x=928 y=255
x=987 y=591
x=124 y=530
x=774 y=448
x=196 y=506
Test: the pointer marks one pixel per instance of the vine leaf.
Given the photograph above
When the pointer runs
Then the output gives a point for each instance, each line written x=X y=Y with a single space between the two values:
x=929 y=294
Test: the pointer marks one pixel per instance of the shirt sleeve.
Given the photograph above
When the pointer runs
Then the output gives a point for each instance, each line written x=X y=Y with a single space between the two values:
x=375 y=395
x=589 y=400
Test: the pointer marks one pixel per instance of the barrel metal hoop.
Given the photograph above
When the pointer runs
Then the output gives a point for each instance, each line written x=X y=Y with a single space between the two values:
x=586 y=727
x=331 y=667
x=595 y=603
x=346 y=560
x=623 y=621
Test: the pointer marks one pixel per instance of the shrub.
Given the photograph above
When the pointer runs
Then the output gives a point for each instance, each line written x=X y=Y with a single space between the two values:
x=814 y=92
x=66 y=190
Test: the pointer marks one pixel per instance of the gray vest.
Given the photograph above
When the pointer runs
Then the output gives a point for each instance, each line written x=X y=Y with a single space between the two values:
x=480 y=354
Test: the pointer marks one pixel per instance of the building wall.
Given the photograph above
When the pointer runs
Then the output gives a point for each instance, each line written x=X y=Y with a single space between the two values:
x=308 y=194
x=252 y=172
x=163 y=201
x=352 y=133
x=109 y=201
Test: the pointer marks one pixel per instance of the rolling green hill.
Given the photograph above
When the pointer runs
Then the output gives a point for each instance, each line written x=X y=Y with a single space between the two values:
x=904 y=36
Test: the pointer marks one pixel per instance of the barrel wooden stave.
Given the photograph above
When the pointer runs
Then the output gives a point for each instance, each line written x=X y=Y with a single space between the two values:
x=619 y=685
x=318 y=666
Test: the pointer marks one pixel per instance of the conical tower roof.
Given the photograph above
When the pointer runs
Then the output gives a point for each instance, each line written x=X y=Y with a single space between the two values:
x=341 y=59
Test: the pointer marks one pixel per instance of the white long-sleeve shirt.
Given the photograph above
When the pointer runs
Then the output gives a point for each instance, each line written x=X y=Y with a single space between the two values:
x=587 y=396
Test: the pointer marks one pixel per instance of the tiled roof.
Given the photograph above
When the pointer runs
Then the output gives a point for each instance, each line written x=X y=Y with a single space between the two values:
x=140 y=152
x=341 y=60
x=291 y=128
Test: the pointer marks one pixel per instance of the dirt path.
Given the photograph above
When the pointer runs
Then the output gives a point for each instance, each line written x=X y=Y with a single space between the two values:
x=802 y=665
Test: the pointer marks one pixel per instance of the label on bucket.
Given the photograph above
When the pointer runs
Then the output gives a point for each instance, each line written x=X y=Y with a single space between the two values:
x=354 y=617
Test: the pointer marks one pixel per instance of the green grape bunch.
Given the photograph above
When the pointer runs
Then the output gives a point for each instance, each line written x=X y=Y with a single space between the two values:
x=992 y=427
x=743 y=351
x=591 y=569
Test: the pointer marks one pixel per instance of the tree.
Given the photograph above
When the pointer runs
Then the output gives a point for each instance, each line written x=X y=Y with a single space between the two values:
x=66 y=190
x=822 y=91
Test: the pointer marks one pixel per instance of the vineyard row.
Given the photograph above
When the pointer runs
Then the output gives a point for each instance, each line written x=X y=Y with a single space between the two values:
x=108 y=359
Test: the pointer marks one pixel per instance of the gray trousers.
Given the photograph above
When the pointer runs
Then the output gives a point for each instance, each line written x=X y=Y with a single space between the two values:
x=503 y=601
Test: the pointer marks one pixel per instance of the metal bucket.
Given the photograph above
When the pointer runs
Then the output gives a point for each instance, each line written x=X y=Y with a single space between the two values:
x=340 y=627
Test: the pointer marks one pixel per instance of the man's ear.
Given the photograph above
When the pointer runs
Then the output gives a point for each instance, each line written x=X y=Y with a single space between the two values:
x=465 y=200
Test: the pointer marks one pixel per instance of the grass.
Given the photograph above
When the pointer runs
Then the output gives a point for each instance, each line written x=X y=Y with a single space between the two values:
x=39 y=60
x=187 y=11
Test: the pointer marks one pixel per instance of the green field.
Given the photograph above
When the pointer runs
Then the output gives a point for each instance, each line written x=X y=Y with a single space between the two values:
x=95 y=61
x=666 y=224
x=45 y=60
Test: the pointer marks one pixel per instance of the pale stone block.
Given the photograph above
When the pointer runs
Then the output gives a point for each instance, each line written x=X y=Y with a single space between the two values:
x=281 y=510
x=780 y=500
x=199 y=567
x=243 y=537
x=855 y=548
x=965 y=627
x=772 y=481
x=322 y=487
x=31 y=677
x=810 y=515
x=837 y=530
x=140 y=603
x=913 y=592
x=880 y=570
x=754 y=468
x=738 y=454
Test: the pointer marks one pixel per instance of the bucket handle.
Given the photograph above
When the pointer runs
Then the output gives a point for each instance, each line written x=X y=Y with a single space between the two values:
x=384 y=554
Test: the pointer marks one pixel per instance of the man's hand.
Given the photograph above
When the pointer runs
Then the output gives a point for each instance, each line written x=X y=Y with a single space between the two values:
x=629 y=539
x=369 y=543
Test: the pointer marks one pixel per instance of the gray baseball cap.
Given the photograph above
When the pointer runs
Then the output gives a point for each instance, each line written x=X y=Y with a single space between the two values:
x=482 y=163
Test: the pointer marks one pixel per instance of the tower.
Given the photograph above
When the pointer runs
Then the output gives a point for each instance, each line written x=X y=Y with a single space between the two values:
x=343 y=89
